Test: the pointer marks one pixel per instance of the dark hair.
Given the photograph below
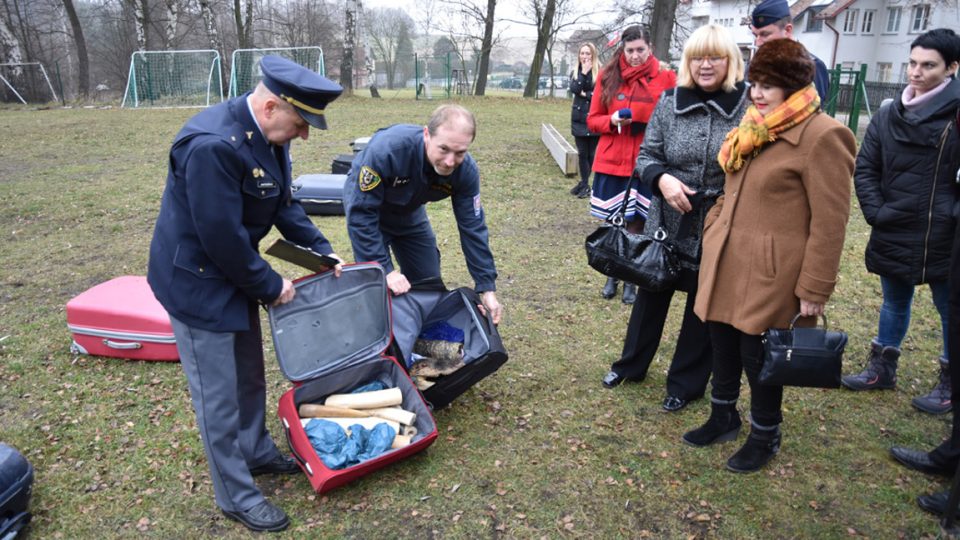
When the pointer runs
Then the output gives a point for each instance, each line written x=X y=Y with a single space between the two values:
x=612 y=79
x=943 y=40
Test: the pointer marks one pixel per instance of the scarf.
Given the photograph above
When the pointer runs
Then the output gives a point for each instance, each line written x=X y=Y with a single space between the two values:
x=910 y=100
x=756 y=130
x=637 y=77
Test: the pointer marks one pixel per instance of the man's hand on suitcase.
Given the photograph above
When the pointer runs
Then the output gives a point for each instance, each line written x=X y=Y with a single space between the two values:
x=491 y=305
x=286 y=293
x=338 y=269
x=397 y=283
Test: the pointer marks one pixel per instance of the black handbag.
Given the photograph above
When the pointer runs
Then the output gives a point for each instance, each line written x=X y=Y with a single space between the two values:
x=651 y=262
x=802 y=356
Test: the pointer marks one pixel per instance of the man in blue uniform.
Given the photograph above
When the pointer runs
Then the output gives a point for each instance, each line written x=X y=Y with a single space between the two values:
x=771 y=20
x=403 y=167
x=228 y=184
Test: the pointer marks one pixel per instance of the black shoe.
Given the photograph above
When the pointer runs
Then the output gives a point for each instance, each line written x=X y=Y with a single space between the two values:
x=673 y=403
x=612 y=379
x=919 y=461
x=262 y=517
x=584 y=193
x=935 y=503
x=610 y=289
x=629 y=293
x=278 y=465
x=761 y=446
x=722 y=426
x=578 y=188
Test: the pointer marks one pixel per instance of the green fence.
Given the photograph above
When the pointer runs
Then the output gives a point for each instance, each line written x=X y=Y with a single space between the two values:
x=433 y=76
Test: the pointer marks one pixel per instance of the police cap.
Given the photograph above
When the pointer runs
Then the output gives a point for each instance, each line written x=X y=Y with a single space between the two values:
x=306 y=90
x=769 y=12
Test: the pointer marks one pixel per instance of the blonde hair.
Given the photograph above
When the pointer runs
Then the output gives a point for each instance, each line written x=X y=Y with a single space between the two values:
x=595 y=65
x=711 y=40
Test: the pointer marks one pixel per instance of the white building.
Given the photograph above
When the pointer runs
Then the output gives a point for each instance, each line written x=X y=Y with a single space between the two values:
x=877 y=33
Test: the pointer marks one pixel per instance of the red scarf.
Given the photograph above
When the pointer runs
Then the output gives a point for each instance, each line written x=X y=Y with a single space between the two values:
x=636 y=78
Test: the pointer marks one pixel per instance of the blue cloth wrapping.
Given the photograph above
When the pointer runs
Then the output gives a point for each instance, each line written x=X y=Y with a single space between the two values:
x=338 y=450
x=442 y=331
x=371 y=386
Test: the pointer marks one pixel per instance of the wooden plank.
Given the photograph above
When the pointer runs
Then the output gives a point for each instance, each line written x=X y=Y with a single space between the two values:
x=562 y=151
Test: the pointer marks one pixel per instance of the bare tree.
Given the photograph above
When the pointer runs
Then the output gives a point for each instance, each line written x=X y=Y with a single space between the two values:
x=543 y=13
x=9 y=45
x=83 y=60
x=661 y=17
x=243 y=17
x=170 y=33
x=349 y=43
x=473 y=27
x=388 y=29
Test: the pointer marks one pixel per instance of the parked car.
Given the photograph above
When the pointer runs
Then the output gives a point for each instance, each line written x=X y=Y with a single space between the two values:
x=512 y=82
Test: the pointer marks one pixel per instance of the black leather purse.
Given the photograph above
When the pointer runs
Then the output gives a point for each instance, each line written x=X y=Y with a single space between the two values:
x=651 y=262
x=810 y=357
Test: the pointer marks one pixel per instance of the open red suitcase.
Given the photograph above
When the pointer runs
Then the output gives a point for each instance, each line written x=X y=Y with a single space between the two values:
x=332 y=338
x=121 y=318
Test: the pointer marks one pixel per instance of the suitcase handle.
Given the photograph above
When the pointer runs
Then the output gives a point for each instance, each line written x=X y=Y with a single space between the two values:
x=122 y=346
x=303 y=463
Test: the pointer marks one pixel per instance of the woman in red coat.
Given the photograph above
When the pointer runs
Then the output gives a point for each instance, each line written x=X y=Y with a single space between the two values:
x=623 y=101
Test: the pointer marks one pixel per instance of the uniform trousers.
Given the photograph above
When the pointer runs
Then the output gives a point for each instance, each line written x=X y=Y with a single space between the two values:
x=692 y=359
x=735 y=352
x=414 y=245
x=948 y=453
x=225 y=374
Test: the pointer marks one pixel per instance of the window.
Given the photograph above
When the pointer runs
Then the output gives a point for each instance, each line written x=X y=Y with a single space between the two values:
x=903 y=73
x=850 y=17
x=700 y=21
x=893 y=19
x=866 y=27
x=921 y=18
x=813 y=23
x=884 y=71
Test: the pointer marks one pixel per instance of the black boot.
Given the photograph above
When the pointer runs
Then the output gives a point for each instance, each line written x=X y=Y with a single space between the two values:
x=610 y=289
x=762 y=444
x=722 y=426
x=938 y=400
x=629 y=293
x=881 y=370
x=575 y=190
x=584 y=192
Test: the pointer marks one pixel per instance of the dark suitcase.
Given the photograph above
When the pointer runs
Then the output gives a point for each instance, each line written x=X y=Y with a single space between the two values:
x=331 y=338
x=121 y=318
x=341 y=164
x=16 y=484
x=359 y=144
x=483 y=350
x=320 y=194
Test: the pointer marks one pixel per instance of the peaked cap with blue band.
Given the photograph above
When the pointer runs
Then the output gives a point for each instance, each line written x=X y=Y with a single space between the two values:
x=769 y=12
x=308 y=91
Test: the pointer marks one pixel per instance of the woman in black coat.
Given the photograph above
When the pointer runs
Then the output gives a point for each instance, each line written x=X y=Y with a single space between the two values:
x=581 y=86
x=906 y=183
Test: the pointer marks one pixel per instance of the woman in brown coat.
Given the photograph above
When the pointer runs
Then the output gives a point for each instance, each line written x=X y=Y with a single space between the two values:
x=772 y=243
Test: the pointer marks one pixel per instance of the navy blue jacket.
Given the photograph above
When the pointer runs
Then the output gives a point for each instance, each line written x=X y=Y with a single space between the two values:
x=226 y=188
x=405 y=182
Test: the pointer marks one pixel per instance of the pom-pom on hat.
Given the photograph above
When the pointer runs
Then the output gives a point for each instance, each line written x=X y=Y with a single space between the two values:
x=782 y=62
x=308 y=91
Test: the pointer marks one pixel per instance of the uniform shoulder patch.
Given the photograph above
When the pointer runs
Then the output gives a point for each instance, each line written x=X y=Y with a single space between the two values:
x=368 y=178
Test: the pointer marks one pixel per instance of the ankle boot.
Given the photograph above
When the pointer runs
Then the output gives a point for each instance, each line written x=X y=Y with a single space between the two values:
x=722 y=426
x=762 y=444
x=575 y=190
x=610 y=289
x=584 y=192
x=881 y=370
x=938 y=400
x=629 y=293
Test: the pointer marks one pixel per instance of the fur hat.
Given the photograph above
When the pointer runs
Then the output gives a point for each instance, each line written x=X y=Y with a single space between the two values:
x=782 y=62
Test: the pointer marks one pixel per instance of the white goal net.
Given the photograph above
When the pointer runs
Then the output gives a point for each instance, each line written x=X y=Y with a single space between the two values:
x=245 y=65
x=174 y=79
x=25 y=83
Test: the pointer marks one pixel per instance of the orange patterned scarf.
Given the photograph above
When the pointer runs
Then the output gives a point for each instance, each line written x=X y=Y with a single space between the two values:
x=756 y=130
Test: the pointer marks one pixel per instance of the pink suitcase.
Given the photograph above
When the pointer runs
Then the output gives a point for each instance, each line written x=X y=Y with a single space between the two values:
x=121 y=318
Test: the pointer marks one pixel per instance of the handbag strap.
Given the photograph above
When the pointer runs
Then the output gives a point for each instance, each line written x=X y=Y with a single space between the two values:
x=686 y=220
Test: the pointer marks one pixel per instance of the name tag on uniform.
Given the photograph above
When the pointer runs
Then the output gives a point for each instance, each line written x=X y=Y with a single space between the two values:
x=398 y=181
x=266 y=183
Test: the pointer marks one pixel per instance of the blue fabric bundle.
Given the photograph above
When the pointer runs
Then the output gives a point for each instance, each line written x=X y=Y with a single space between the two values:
x=442 y=331
x=371 y=386
x=338 y=450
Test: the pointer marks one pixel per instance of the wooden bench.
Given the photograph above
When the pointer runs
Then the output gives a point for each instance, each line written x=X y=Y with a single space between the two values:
x=563 y=153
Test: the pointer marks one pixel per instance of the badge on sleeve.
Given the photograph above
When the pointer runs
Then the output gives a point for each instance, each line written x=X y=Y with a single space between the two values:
x=477 y=208
x=369 y=179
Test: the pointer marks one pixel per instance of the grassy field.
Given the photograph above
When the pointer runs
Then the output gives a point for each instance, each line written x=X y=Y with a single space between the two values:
x=540 y=450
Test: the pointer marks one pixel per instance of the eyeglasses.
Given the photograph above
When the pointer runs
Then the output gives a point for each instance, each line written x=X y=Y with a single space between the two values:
x=713 y=60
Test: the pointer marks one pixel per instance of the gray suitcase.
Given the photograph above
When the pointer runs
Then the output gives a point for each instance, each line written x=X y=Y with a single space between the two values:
x=320 y=194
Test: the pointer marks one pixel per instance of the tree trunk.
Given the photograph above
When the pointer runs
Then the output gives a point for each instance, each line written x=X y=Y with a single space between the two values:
x=83 y=61
x=543 y=38
x=141 y=19
x=349 y=42
x=9 y=45
x=173 y=11
x=661 y=27
x=485 y=47
x=244 y=21
x=213 y=37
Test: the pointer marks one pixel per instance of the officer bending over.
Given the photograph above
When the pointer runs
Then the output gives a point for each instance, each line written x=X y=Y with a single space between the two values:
x=403 y=167
x=228 y=184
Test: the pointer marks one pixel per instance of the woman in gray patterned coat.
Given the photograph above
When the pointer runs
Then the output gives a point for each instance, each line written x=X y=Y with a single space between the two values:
x=678 y=160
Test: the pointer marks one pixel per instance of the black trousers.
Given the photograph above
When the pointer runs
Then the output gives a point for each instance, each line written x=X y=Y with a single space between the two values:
x=586 y=151
x=690 y=367
x=733 y=353
x=948 y=453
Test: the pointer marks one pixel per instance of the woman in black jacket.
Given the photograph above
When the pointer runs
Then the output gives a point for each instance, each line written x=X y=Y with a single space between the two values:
x=906 y=183
x=581 y=86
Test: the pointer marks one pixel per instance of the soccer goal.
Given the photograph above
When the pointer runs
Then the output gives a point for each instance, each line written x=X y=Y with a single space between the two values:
x=174 y=79
x=25 y=82
x=245 y=65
